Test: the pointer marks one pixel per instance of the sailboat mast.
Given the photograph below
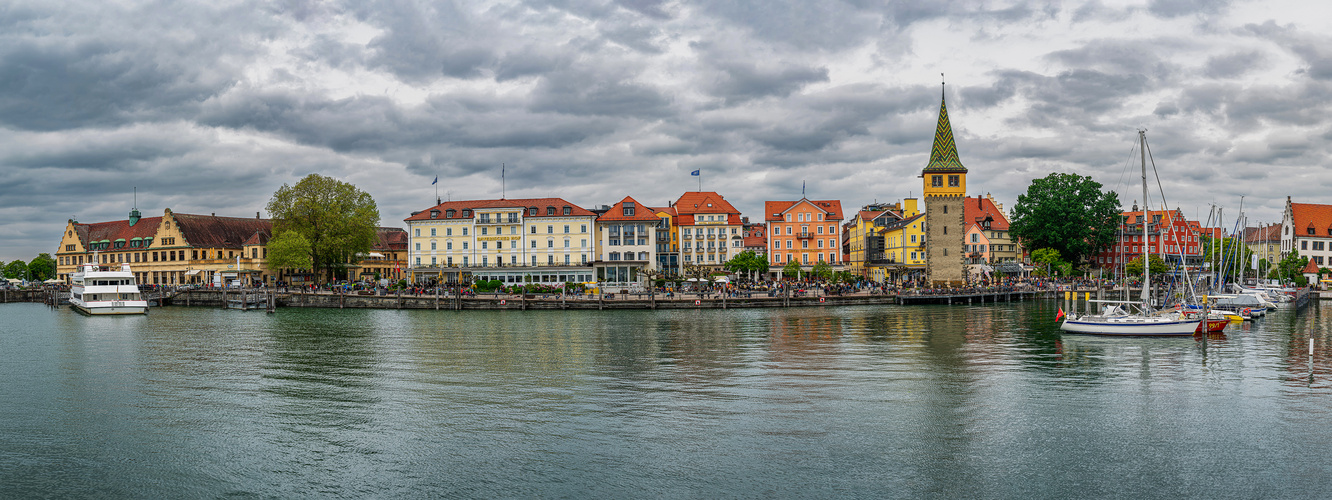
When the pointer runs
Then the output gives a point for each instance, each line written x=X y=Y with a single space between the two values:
x=1146 y=268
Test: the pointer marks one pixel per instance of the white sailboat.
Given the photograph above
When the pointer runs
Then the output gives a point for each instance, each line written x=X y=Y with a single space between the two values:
x=1130 y=317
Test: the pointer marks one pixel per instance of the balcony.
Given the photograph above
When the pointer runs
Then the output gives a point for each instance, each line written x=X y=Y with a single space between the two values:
x=687 y=236
x=804 y=235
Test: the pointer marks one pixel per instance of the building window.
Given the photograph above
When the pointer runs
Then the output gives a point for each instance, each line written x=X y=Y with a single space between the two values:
x=954 y=181
x=936 y=181
x=566 y=229
x=568 y=210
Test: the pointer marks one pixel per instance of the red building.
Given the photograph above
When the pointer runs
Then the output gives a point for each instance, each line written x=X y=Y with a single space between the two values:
x=1169 y=235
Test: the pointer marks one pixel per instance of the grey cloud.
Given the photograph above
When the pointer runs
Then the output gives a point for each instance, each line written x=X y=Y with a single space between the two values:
x=595 y=94
x=742 y=81
x=423 y=42
x=1234 y=64
x=1176 y=8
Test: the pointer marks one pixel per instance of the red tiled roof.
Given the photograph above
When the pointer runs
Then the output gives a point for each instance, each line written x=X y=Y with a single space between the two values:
x=1310 y=215
x=1310 y=268
x=539 y=203
x=209 y=231
x=1270 y=233
x=976 y=209
x=616 y=213
x=695 y=202
x=756 y=241
x=391 y=239
x=117 y=229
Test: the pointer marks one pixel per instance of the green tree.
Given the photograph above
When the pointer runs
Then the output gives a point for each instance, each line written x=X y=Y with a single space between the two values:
x=337 y=220
x=1291 y=268
x=1049 y=258
x=42 y=267
x=792 y=270
x=288 y=251
x=16 y=270
x=1221 y=252
x=1134 y=267
x=821 y=270
x=1068 y=213
x=747 y=262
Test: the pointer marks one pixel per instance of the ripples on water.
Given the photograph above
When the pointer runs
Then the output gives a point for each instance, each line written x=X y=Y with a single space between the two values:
x=986 y=401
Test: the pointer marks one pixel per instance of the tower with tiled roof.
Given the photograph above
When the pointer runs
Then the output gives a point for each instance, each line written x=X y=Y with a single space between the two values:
x=945 y=181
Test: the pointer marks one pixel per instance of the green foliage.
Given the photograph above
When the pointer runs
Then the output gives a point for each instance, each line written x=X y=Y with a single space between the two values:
x=488 y=285
x=1158 y=266
x=16 y=270
x=821 y=270
x=1052 y=264
x=1068 y=213
x=289 y=250
x=337 y=220
x=1291 y=268
x=42 y=267
x=792 y=270
x=747 y=262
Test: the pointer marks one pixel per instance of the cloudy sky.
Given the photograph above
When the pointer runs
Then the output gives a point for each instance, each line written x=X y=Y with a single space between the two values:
x=211 y=106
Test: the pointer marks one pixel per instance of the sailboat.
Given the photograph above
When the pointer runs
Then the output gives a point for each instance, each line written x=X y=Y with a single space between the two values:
x=1125 y=317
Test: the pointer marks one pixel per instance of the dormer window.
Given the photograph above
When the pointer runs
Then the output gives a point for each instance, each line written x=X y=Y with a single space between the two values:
x=567 y=210
x=434 y=214
x=628 y=208
x=550 y=210
x=1311 y=230
x=532 y=211
x=466 y=213
x=448 y=214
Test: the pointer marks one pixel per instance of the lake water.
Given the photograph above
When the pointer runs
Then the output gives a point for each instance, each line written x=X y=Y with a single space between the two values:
x=987 y=401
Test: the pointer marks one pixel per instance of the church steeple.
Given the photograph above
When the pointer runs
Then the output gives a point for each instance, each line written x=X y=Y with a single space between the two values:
x=943 y=156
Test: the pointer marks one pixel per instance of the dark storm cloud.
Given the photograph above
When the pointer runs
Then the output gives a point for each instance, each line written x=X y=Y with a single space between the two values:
x=425 y=41
x=62 y=71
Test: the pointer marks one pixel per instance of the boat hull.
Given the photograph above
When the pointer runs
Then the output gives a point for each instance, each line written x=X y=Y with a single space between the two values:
x=1130 y=327
x=116 y=308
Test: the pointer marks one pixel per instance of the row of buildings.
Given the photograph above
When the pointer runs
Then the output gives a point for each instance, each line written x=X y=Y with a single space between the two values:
x=944 y=237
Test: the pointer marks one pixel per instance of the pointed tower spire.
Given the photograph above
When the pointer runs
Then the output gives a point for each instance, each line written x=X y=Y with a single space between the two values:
x=943 y=156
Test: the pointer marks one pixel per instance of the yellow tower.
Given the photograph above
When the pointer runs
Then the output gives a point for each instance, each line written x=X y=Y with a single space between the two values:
x=945 y=182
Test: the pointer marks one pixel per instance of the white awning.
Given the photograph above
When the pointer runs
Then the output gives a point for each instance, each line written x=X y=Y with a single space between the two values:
x=375 y=255
x=192 y=272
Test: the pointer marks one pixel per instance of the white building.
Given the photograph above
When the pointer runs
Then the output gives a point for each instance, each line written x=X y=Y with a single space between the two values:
x=538 y=240
x=626 y=244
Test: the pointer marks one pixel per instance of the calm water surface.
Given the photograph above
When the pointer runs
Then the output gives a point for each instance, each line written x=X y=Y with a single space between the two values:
x=898 y=402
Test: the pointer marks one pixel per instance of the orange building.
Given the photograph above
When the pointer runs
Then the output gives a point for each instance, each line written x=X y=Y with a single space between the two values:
x=805 y=231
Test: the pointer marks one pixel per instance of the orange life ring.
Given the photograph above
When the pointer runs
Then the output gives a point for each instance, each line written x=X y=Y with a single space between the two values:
x=698 y=302
x=503 y=302
x=820 y=299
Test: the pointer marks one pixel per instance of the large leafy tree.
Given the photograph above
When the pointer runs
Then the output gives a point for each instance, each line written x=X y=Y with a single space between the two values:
x=821 y=270
x=289 y=250
x=747 y=262
x=335 y=218
x=16 y=270
x=42 y=267
x=1068 y=213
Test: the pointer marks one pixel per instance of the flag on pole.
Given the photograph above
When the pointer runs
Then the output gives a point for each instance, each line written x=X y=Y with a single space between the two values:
x=1060 y=315
x=695 y=173
x=436 y=181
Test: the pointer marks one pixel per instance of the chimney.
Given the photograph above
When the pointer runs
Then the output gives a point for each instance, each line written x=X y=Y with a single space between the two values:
x=214 y=214
x=256 y=215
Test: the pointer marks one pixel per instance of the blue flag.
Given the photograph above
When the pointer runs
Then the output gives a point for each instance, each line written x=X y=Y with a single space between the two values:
x=436 y=181
x=694 y=173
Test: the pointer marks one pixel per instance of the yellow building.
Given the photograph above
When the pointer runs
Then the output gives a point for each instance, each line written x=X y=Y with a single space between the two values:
x=668 y=242
x=904 y=247
x=174 y=249
x=864 y=237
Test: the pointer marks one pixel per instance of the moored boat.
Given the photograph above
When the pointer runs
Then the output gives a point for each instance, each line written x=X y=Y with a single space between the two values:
x=97 y=290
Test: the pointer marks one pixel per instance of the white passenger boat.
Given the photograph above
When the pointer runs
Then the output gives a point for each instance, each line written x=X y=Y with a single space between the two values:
x=104 y=290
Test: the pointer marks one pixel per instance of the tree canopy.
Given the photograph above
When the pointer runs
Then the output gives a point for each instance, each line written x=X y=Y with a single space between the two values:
x=289 y=250
x=1134 y=267
x=747 y=262
x=1068 y=213
x=336 y=219
x=42 y=267
x=791 y=270
x=821 y=270
x=16 y=270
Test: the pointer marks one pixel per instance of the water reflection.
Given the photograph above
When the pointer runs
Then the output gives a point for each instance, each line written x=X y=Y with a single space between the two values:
x=944 y=401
